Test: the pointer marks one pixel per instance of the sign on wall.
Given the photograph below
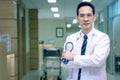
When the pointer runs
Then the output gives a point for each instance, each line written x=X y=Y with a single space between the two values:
x=6 y=38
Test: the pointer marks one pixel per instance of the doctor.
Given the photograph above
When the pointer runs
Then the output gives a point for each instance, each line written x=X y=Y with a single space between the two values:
x=90 y=48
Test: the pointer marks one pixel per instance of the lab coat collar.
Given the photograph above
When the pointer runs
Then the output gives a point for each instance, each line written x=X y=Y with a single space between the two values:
x=93 y=32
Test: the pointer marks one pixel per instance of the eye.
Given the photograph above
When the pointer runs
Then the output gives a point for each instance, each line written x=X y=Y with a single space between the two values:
x=82 y=15
x=89 y=15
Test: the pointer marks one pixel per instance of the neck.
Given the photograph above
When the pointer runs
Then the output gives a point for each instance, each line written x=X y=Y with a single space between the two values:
x=86 y=31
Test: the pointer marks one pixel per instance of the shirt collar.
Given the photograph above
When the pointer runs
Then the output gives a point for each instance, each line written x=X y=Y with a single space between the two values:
x=93 y=32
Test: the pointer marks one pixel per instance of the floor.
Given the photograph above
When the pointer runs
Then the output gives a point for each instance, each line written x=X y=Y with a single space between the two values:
x=36 y=74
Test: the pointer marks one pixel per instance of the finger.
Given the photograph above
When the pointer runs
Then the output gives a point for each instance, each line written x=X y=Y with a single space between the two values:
x=63 y=54
x=64 y=51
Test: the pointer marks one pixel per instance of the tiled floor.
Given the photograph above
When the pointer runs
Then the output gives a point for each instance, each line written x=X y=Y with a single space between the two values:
x=35 y=75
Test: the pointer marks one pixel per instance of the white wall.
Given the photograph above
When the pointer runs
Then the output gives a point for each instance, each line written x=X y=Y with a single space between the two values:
x=47 y=31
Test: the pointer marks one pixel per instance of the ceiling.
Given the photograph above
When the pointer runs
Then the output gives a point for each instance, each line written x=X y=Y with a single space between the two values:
x=67 y=8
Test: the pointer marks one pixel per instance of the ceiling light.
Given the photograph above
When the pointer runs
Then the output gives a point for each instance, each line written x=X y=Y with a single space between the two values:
x=74 y=21
x=79 y=26
x=86 y=0
x=56 y=15
x=54 y=9
x=52 y=1
x=68 y=25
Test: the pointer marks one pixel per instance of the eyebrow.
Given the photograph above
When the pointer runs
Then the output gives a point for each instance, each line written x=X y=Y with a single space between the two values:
x=86 y=13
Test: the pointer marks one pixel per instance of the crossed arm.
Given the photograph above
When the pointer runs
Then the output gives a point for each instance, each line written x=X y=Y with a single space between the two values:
x=95 y=58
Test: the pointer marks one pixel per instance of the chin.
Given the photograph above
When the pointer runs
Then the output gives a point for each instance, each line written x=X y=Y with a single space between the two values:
x=86 y=27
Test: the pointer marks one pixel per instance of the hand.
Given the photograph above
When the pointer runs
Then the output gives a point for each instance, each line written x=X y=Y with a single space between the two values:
x=68 y=55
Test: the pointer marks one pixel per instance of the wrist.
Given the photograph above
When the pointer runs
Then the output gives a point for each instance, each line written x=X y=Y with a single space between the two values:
x=72 y=57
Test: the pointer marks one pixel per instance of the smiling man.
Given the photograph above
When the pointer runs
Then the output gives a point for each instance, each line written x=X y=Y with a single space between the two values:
x=89 y=48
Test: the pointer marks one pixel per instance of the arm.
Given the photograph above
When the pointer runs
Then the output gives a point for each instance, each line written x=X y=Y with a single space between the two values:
x=69 y=56
x=95 y=59
x=98 y=57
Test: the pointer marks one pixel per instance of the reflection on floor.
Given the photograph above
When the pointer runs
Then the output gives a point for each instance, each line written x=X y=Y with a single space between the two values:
x=35 y=75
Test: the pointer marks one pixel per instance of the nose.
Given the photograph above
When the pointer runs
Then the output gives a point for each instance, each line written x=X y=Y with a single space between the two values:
x=85 y=18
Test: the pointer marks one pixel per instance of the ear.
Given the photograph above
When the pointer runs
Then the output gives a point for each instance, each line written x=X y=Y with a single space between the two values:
x=76 y=18
x=94 y=17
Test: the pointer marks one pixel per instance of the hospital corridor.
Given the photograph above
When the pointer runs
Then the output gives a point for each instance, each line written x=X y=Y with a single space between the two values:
x=33 y=35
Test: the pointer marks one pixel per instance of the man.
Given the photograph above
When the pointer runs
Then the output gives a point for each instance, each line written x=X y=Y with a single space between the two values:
x=87 y=59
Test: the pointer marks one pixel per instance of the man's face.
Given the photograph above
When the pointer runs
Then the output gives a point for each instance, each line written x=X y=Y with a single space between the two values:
x=86 y=17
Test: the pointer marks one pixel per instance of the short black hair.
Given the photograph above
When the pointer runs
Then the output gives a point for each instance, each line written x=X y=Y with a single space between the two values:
x=85 y=4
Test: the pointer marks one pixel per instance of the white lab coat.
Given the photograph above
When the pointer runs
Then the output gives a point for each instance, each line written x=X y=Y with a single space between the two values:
x=93 y=65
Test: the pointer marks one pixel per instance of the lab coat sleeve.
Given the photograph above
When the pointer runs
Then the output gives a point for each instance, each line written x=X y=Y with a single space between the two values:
x=70 y=64
x=99 y=56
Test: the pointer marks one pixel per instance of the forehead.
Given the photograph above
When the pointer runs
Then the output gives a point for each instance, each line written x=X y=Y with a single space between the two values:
x=85 y=9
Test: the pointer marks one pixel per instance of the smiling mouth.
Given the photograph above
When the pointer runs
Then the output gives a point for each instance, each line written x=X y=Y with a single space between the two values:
x=86 y=24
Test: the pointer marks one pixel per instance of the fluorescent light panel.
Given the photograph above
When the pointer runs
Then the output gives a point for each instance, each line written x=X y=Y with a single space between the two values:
x=79 y=26
x=74 y=21
x=54 y=9
x=68 y=25
x=86 y=0
x=56 y=15
x=52 y=1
